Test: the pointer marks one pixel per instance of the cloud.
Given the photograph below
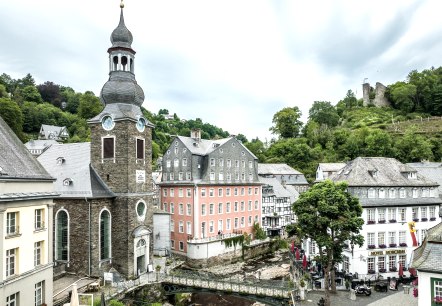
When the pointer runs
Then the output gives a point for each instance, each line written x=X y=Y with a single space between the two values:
x=231 y=63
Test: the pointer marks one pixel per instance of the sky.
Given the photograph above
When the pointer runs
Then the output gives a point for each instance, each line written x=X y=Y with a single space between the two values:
x=232 y=63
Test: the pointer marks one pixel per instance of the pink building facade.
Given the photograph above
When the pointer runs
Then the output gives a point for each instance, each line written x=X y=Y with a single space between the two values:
x=211 y=189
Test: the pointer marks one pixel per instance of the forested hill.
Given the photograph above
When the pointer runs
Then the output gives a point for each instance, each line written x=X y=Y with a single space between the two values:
x=25 y=106
x=334 y=132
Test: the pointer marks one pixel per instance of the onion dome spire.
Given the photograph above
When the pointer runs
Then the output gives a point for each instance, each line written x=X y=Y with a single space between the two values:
x=121 y=86
x=121 y=36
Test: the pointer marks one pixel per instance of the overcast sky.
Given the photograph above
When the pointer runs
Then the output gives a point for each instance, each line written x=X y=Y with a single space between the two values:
x=232 y=63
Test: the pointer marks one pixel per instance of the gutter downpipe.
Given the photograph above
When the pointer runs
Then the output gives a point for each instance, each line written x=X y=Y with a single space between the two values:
x=89 y=235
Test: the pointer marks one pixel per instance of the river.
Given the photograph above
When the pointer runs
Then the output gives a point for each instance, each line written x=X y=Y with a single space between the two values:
x=274 y=267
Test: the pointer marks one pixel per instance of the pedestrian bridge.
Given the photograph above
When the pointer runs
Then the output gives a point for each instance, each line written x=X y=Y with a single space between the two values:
x=270 y=292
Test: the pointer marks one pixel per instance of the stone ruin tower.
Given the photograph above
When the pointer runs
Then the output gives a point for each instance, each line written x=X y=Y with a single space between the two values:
x=379 y=99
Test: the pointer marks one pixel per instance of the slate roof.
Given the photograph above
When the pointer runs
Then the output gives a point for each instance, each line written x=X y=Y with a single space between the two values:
x=389 y=172
x=277 y=169
x=284 y=172
x=331 y=167
x=57 y=131
x=39 y=144
x=120 y=111
x=279 y=190
x=428 y=257
x=366 y=202
x=431 y=170
x=15 y=160
x=205 y=146
x=75 y=166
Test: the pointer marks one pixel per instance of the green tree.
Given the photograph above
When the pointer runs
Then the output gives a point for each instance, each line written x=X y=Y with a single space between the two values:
x=413 y=147
x=402 y=96
x=379 y=143
x=330 y=216
x=286 y=122
x=324 y=113
x=89 y=106
x=30 y=93
x=11 y=113
x=3 y=92
x=257 y=147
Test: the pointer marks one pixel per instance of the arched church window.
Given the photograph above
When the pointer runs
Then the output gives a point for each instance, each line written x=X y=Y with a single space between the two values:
x=105 y=235
x=124 y=62
x=62 y=236
x=115 y=62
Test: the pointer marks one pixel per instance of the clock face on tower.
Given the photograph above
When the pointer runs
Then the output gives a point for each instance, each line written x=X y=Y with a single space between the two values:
x=141 y=123
x=107 y=123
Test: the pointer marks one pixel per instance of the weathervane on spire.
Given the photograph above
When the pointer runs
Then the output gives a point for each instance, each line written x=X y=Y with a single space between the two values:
x=122 y=4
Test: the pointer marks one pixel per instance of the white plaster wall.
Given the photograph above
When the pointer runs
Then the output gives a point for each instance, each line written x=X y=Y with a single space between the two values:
x=161 y=232
x=207 y=250
x=17 y=187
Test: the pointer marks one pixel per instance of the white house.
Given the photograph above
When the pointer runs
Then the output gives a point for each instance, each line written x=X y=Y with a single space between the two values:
x=26 y=201
x=394 y=198
x=427 y=260
x=326 y=170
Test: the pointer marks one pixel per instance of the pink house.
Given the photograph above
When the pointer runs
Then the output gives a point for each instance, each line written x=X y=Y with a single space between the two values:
x=211 y=189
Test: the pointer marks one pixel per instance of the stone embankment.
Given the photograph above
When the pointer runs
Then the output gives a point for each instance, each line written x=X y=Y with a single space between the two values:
x=275 y=267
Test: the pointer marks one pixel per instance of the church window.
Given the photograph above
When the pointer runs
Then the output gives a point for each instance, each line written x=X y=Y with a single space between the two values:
x=115 y=61
x=140 y=148
x=105 y=235
x=62 y=236
x=141 y=209
x=108 y=147
x=124 y=62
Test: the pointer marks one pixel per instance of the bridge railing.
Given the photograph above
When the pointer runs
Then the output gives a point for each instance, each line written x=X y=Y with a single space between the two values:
x=265 y=288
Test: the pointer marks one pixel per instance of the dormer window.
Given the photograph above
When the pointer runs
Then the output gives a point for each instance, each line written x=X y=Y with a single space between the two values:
x=60 y=160
x=373 y=173
x=67 y=182
x=412 y=175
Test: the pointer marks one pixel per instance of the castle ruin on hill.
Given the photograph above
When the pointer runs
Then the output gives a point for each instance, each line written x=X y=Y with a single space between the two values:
x=374 y=96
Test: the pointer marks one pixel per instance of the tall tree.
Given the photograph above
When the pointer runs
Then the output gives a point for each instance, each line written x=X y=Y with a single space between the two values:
x=50 y=92
x=11 y=113
x=403 y=95
x=324 y=113
x=286 y=122
x=330 y=216
x=90 y=105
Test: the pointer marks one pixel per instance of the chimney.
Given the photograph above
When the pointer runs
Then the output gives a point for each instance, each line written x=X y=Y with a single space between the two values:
x=195 y=134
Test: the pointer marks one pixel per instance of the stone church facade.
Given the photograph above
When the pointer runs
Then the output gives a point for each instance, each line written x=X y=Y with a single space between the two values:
x=104 y=216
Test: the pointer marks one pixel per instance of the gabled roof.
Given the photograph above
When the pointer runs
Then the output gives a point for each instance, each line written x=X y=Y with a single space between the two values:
x=39 y=144
x=380 y=171
x=428 y=257
x=56 y=131
x=70 y=165
x=279 y=190
x=15 y=160
x=331 y=167
x=277 y=169
x=431 y=170
x=204 y=146
x=284 y=173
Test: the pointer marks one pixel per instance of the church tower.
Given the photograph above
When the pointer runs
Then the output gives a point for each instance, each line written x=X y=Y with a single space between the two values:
x=121 y=154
